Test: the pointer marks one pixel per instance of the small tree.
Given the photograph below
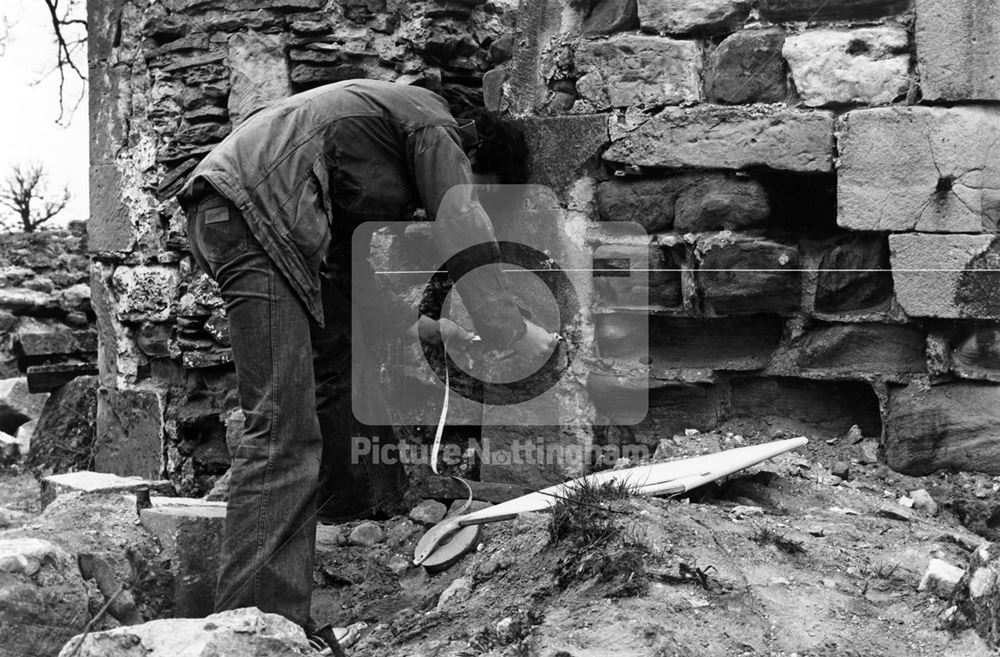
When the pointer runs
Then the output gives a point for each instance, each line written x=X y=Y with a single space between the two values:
x=24 y=191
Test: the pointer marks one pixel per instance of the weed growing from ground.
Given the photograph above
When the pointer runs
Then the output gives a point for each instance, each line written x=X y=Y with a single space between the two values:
x=767 y=536
x=603 y=544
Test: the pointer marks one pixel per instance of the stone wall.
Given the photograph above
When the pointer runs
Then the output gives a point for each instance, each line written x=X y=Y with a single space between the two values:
x=818 y=180
x=814 y=177
x=168 y=81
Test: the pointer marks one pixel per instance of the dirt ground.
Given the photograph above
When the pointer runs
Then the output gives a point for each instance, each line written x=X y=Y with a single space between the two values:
x=785 y=559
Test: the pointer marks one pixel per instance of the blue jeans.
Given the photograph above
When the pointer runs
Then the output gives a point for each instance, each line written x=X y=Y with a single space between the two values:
x=294 y=389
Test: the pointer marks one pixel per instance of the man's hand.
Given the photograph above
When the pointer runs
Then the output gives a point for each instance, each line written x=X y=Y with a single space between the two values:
x=434 y=332
x=537 y=342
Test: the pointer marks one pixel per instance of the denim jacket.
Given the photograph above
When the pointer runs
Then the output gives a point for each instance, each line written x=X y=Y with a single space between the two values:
x=306 y=171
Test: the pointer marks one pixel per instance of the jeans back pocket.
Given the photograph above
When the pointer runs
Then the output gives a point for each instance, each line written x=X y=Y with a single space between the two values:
x=221 y=231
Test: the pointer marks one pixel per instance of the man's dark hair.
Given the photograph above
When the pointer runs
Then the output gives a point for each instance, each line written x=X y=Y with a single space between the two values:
x=502 y=148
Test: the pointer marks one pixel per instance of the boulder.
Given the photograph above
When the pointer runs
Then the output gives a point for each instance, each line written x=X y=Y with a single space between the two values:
x=43 y=598
x=237 y=633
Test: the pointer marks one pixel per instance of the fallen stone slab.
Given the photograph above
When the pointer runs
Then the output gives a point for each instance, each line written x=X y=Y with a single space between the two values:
x=98 y=482
x=237 y=633
x=191 y=536
x=626 y=70
x=43 y=598
x=48 y=378
x=868 y=66
x=428 y=512
x=946 y=276
x=958 y=46
x=729 y=138
x=950 y=426
x=931 y=169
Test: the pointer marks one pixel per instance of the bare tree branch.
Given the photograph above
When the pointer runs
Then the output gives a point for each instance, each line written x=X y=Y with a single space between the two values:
x=23 y=191
x=68 y=39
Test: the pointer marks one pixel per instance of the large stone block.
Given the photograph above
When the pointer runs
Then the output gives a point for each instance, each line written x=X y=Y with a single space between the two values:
x=688 y=202
x=145 y=293
x=721 y=202
x=258 y=73
x=958 y=49
x=854 y=275
x=747 y=68
x=43 y=598
x=976 y=354
x=629 y=70
x=822 y=407
x=952 y=426
x=949 y=276
x=610 y=16
x=237 y=633
x=930 y=169
x=561 y=148
x=882 y=349
x=693 y=16
x=679 y=343
x=729 y=138
x=740 y=275
x=660 y=286
x=191 y=536
x=109 y=229
x=823 y=10
x=130 y=430
x=867 y=65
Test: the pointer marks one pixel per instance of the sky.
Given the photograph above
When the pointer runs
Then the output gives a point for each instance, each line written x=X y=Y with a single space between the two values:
x=30 y=108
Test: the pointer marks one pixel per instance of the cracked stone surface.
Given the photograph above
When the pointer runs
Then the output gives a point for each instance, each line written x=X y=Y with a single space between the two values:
x=929 y=169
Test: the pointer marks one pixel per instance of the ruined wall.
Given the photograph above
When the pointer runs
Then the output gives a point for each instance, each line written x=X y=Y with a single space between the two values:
x=816 y=179
x=168 y=81
x=819 y=184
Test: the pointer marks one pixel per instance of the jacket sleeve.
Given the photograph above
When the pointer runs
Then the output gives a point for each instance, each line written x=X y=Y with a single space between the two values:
x=383 y=312
x=444 y=181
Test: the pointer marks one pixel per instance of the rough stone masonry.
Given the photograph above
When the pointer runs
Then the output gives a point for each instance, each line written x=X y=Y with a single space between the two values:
x=818 y=181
